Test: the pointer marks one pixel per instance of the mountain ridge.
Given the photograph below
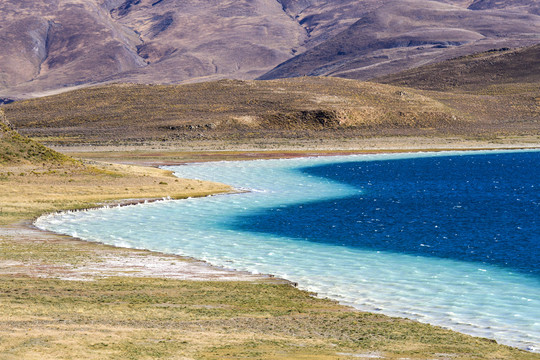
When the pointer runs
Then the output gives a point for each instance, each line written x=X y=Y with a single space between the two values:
x=437 y=32
x=49 y=46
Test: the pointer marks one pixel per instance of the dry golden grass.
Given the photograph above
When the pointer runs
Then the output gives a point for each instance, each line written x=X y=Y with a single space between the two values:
x=265 y=112
x=17 y=149
x=35 y=179
x=27 y=191
x=133 y=318
x=155 y=318
x=232 y=110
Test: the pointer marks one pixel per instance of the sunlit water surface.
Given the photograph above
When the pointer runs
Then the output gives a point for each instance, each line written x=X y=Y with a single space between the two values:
x=450 y=239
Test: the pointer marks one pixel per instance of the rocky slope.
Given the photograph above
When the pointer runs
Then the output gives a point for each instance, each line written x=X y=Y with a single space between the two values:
x=49 y=46
x=502 y=67
x=402 y=34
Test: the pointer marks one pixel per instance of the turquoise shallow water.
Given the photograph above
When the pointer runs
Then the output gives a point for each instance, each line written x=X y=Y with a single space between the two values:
x=483 y=298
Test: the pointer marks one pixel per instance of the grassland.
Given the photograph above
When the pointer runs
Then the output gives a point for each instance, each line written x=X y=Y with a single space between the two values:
x=230 y=110
x=17 y=149
x=27 y=191
x=35 y=180
x=137 y=318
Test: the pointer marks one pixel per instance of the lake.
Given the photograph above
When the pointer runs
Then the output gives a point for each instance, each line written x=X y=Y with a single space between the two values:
x=450 y=238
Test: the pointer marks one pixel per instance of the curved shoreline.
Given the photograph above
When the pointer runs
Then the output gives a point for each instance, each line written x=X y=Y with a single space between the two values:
x=222 y=180
x=119 y=261
x=89 y=273
x=30 y=225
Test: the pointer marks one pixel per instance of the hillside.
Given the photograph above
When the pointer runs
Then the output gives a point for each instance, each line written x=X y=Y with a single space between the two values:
x=403 y=34
x=58 y=45
x=496 y=67
x=531 y=6
x=65 y=43
x=234 y=111
x=231 y=110
x=17 y=149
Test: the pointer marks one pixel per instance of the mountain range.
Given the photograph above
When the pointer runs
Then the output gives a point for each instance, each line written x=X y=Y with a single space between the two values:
x=52 y=45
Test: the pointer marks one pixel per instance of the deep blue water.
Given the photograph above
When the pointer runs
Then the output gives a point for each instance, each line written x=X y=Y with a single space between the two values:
x=482 y=208
x=435 y=237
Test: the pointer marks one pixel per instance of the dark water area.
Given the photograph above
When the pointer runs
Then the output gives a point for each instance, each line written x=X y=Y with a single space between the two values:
x=483 y=208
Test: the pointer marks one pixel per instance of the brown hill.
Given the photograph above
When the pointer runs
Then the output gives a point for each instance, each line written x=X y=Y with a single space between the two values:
x=52 y=44
x=402 y=34
x=232 y=111
x=229 y=110
x=182 y=40
x=494 y=87
x=17 y=149
x=64 y=43
x=530 y=6
x=496 y=67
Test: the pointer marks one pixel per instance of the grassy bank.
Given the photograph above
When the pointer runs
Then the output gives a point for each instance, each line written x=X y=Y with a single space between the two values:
x=27 y=191
x=35 y=180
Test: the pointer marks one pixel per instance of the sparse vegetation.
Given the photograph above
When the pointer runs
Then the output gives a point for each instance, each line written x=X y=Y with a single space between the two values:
x=497 y=68
x=35 y=180
x=268 y=111
x=48 y=188
x=231 y=110
x=15 y=148
x=44 y=317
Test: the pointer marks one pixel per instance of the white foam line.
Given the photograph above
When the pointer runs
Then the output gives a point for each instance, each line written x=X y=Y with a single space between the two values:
x=424 y=289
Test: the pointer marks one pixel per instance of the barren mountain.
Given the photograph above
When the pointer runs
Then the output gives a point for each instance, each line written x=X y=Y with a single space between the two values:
x=51 y=45
x=402 y=34
x=530 y=6
x=62 y=43
x=54 y=43
x=473 y=72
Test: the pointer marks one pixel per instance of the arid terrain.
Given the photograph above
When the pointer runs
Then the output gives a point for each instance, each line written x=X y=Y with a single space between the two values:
x=285 y=114
x=474 y=73
x=56 y=45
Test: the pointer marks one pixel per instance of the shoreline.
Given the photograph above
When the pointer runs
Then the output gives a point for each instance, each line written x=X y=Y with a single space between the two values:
x=157 y=154
x=130 y=260
x=30 y=224
x=132 y=266
x=312 y=154
x=409 y=152
x=118 y=261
